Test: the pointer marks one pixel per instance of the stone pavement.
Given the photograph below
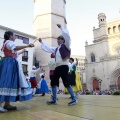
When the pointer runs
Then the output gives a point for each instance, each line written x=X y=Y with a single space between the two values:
x=89 y=107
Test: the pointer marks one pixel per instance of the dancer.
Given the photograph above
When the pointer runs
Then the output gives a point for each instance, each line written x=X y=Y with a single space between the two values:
x=42 y=85
x=74 y=77
x=62 y=54
x=52 y=65
x=12 y=87
x=33 y=79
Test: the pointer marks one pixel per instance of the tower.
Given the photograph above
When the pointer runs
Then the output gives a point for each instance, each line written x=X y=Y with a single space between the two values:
x=102 y=20
x=47 y=13
x=102 y=24
x=101 y=32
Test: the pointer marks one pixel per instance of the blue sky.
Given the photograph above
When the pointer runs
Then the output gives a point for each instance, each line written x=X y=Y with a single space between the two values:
x=81 y=16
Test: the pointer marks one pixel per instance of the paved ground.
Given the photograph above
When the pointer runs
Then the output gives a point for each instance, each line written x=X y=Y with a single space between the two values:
x=89 y=107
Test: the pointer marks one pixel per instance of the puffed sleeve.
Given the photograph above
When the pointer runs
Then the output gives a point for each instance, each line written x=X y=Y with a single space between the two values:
x=66 y=35
x=11 y=46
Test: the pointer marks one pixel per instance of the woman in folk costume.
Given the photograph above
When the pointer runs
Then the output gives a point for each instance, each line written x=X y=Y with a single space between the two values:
x=74 y=77
x=42 y=85
x=33 y=79
x=13 y=86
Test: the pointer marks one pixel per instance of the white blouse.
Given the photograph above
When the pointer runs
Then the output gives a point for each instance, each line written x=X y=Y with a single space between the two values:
x=59 y=60
x=71 y=65
x=10 y=45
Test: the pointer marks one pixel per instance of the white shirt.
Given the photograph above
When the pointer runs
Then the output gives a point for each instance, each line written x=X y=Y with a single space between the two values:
x=71 y=65
x=10 y=46
x=33 y=72
x=52 y=64
x=59 y=61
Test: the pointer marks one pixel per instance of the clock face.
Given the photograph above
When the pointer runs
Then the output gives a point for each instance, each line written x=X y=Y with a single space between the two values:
x=116 y=48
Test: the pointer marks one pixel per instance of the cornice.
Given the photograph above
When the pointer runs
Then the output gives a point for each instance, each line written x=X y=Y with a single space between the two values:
x=16 y=31
x=100 y=39
x=114 y=36
x=109 y=57
x=48 y=14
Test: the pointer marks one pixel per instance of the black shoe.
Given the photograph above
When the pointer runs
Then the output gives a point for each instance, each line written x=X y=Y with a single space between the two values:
x=52 y=102
x=10 y=107
x=43 y=94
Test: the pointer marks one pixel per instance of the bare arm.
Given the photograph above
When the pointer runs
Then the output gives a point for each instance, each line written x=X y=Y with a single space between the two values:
x=22 y=47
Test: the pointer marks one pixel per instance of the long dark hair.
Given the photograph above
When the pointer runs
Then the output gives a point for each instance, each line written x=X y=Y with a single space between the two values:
x=6 y=37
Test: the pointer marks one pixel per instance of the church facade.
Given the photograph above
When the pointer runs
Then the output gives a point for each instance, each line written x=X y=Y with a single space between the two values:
x=102 y=66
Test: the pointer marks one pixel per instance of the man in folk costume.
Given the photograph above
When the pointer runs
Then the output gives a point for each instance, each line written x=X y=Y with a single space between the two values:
x=33 y=79
x=62 y=54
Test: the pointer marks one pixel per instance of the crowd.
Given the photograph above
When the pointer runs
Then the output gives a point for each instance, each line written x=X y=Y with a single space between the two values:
x=91 y=92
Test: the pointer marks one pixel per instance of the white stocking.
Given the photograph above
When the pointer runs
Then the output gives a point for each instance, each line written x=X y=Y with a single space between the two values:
x=34 y=91
x=1 y=104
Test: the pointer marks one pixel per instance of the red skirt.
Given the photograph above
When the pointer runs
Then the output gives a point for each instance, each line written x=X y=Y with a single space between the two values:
x=33 y=82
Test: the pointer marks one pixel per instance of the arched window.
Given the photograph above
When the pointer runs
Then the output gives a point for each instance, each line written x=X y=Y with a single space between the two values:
x=119 y=28
x=114 y=29
x=92 y=57
x=109 y=30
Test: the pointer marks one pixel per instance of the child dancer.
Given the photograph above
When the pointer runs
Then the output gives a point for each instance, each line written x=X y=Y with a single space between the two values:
x=33 y=79
x=42 y=85
x=74 y=77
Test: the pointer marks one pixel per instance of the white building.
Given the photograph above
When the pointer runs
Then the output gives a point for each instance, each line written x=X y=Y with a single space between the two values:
x=22 y=39
x=103 y=56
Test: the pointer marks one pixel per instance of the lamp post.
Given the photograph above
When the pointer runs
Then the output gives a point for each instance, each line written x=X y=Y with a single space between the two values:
x=100 y=81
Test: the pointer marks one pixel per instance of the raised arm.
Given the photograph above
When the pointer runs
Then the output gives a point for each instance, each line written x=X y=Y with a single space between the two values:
x=46 y=47
x=65 y=34
x=35 y=71
x=75 y=63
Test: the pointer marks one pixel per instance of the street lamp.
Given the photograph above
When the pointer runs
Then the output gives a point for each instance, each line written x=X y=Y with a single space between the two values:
x=100 y=81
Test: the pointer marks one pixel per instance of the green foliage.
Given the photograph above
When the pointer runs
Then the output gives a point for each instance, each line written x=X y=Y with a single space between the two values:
x=116 y=93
